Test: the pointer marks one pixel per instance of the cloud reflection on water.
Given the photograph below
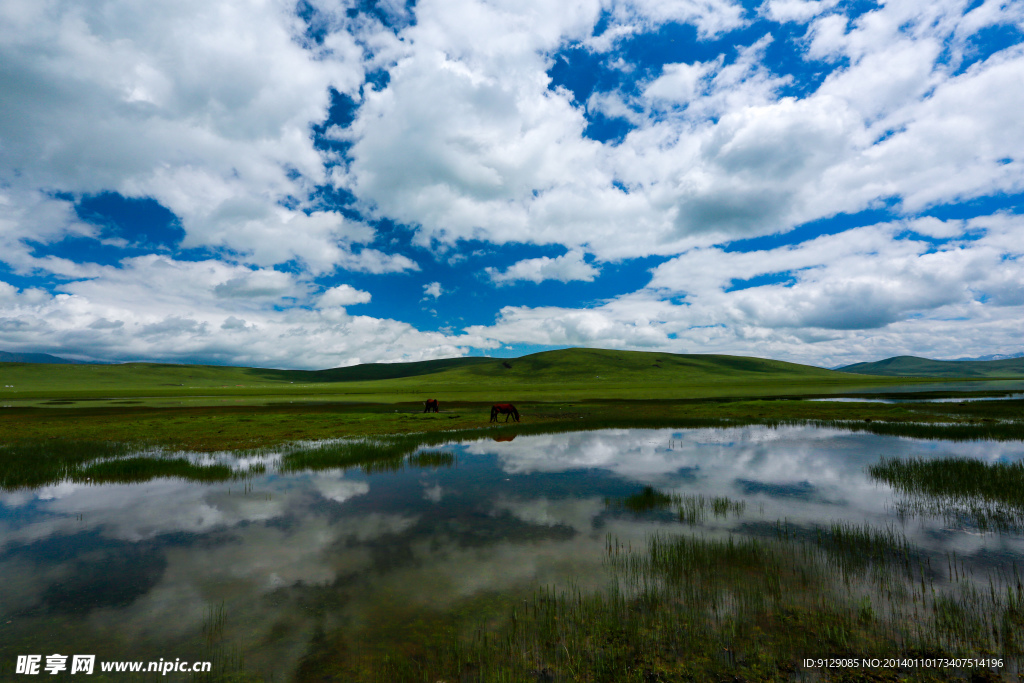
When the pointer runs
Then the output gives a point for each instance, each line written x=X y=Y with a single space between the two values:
x=339 y=549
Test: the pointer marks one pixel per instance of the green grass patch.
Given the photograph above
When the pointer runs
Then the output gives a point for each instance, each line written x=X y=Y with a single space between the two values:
x=957 y=478
x=140 y=469
x=963 y=491
x=30 y=464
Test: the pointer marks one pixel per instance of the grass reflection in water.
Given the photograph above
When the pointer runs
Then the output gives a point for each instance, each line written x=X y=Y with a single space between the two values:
x=692 y=509
x=688 y=608
x=695 y=607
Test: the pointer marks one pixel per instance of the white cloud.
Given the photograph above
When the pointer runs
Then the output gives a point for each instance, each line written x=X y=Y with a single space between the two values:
x=679 y=83
x=565 y=268
x=469 y=144
x=433 y=289
x=800 y=11
x=205 y=107
x=343 y=295
x=154 y=307
x=867 y=292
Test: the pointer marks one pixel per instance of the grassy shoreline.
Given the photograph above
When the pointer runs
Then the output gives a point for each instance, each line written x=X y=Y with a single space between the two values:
x=230 y=427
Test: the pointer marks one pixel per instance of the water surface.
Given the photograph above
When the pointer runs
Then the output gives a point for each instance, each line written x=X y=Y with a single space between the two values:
x=132 y=571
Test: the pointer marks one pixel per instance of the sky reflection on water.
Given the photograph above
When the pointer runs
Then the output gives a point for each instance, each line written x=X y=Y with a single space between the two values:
x=289 y=554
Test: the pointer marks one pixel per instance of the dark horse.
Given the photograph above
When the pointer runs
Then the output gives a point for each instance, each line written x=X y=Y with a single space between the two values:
x=431 y=406
x=506 y=409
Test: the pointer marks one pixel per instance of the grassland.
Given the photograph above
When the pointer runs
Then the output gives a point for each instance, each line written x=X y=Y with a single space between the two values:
x=569 y=374
x=213 y=408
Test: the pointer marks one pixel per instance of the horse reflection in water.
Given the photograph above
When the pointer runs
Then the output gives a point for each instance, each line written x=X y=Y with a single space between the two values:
x=430 y=406
x=506 y=409
x=507 y=437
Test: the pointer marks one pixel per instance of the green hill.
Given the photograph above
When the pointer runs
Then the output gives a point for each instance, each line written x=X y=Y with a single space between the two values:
x=911 y=366
x=566 y=374
x=374 y=371
x=584 y=365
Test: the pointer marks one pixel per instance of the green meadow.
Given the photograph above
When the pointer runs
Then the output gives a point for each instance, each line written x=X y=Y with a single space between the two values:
x=569 y=374
x=211 y=408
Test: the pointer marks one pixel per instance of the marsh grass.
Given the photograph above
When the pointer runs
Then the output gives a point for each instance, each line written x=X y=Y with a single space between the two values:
x=696 y=607
x=960 y=478
x=987 y=429
x=227 y=660
x=965 y=492
x=30 y=464
x=693 y=510
x=140 y=469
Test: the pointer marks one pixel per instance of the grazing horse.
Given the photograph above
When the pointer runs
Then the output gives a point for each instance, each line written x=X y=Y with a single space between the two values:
x=431 y=406
x=506 y=409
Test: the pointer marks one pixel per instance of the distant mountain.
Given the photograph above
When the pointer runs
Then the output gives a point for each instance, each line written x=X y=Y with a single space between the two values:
x=911 y=366
x=996 y=356
x=7 y=357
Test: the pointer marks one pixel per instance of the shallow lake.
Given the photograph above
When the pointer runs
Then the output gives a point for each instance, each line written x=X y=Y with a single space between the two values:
x=277 y=561
x=966 y=399
x=951 y=386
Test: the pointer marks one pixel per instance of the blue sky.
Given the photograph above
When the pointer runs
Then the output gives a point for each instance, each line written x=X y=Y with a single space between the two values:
x=323 y=183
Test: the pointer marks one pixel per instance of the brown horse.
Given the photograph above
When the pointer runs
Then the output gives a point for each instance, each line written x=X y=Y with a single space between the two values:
x=431 y=406
x=506 y=409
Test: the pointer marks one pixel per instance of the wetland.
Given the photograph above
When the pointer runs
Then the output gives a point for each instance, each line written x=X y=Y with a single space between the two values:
x=654 y=517
x=696 y=553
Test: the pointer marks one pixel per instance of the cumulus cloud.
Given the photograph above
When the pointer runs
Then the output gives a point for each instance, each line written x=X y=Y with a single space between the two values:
x=867 y=292
x=210 y=108
x=343 y=295
x=799 y=11
x=565 y=268
x=715 y=154
x=205 y=107
x=157 y=307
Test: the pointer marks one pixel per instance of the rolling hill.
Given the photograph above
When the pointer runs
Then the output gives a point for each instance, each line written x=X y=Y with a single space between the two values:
x=911 y=366
x=549 y=375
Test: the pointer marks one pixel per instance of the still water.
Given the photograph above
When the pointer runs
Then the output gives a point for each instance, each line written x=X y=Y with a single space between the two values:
x=852 y=399
x=137 y=571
